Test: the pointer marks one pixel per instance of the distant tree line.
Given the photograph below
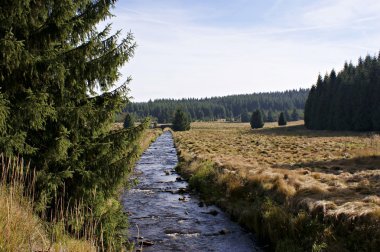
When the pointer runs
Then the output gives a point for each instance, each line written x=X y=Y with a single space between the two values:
x=231 y=108
x=349 y=100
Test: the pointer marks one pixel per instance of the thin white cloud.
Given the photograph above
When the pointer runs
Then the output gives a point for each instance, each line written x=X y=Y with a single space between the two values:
x=341 y=12
x=177 y=57
x=274 y=7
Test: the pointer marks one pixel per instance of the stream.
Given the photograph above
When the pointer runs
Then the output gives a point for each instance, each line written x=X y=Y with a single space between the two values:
x=165 y=216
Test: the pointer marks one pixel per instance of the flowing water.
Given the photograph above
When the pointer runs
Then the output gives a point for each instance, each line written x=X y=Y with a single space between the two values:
x=164 y=216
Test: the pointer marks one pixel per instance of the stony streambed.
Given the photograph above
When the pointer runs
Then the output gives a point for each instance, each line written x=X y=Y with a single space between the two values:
x=165 y=216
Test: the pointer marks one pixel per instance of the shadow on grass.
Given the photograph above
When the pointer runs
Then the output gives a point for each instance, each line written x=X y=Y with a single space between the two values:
x=301 y=130
x=363 y=181
x=338 y=166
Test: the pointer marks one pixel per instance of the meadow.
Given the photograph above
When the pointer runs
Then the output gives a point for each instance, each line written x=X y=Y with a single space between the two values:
x=296 y=188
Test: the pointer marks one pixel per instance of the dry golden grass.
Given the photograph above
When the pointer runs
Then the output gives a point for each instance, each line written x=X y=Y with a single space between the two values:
x=148 y=137
x=334 y=173
x=73 y=245
x=20 y=228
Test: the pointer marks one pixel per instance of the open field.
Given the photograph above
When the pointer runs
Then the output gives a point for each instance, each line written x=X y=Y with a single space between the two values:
x=331 y=176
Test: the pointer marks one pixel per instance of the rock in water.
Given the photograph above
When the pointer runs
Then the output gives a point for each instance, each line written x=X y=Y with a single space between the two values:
x=224 y=231
x=213 y=212
x=146 y=243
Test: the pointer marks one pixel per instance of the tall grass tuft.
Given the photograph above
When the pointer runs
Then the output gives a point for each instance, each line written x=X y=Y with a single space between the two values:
x=71 y=228
x=20 y=229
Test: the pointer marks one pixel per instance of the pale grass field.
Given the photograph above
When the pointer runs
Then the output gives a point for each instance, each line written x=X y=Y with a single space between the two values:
x=336 y=173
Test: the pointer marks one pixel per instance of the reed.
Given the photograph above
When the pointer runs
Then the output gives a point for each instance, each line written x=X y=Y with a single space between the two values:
x=71 y=228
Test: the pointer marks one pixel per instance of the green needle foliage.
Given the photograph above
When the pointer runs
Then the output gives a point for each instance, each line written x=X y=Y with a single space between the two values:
x=295 y=115
x=282 y=119
x=232 y=107
x=245 y=116
x=270 y=117
x=347 y=100
x=58 y=101
x=181 y=121
x=257 y=120
x=128 y=121
x=287 y=116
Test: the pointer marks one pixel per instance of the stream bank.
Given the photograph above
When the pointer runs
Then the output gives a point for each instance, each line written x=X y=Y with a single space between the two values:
x=165 y=216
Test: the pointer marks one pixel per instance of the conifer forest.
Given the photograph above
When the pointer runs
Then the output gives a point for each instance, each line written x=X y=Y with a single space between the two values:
x=232 y=108
x=347 y=100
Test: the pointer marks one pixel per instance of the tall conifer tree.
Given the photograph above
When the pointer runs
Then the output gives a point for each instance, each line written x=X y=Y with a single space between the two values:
x=53 y=63
x=129 y=121
x=348 y=100
x=181 y=121
x=281 y=119
x=245 y=116
x=295 y=115
x=257 y=120
x=270 y=117
x=265 y=118
x=287 y=116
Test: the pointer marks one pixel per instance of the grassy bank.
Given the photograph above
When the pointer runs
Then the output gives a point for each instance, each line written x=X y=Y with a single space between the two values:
x=21 y=229
x=299 y=190
x=149 y=137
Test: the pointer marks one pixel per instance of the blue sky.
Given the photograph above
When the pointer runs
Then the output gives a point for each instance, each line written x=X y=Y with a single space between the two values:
x=194 y=48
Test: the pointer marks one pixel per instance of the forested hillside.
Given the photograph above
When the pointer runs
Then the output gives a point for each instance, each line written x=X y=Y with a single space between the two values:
x=233 y=107
x=349 y=100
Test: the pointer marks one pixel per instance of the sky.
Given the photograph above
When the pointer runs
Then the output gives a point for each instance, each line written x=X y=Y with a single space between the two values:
x=204 y=48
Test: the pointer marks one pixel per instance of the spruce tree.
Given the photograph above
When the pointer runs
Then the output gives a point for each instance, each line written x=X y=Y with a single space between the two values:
x=257 y=120
x=245 y=116
x=282 y=119
x=348 y=100
x=295 y=115
x=287 y=116
x=181 y=121
x=309 y=115
x=265 y=118
x=270 y=117
x=54 y=62
x=129 y=121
